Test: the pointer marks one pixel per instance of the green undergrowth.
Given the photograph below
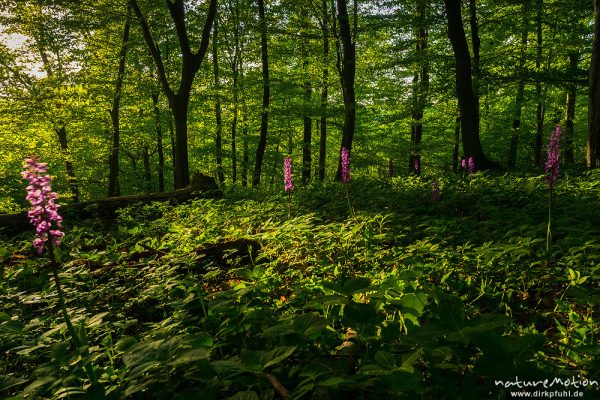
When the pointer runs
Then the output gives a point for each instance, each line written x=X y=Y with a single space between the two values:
x=234 y=298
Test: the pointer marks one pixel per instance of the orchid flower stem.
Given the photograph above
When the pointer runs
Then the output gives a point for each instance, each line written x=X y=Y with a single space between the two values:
x=549 y=230
x=289 y=204
x=75 y=339
x=348 y=198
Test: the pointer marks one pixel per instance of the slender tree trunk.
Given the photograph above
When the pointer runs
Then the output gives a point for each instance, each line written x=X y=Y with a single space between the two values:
x=539 y=131
x=113 y=174
x=571 y=99
x=307 y=121
x=421 y=87
x=593 y=140
x=218 y=117
x=456 y=145
x=64 y=146
x=262 y=143
x=348 y=73
x=324 y=92
x=516 y=124
x=159 y=142
x=147 y=172
x=469 y=117
x=172 y=138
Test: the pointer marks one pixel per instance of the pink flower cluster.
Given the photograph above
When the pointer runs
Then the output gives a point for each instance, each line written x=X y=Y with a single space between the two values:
x=288 y=183
x=470 y=165
x=552 y=161
x=345 y=165
x=44 y=213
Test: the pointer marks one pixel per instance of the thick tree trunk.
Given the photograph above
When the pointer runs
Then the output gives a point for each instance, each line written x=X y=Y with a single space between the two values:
x=324 y=92
x=456 y=145
x=262 y=143
x=469 y=115
x=476 y=64
x=539 y=131
x=190 y=64
x=159 y=142
x=593 y=141
x=307 y=120
x=420 y=89
x=348 y=73
x=569 y=123
x=516 y=124
x=113 y=174
x=218 y=117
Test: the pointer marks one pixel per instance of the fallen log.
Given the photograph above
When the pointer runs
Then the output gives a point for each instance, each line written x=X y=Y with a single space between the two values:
x=202 y=186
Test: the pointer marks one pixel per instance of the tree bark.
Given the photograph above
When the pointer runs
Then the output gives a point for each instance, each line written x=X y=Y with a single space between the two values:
x=113 y=174
x=324 y=92
x=235 y=87
x=469 y=115
x=571 y=99
x=516 y=123
x=159 y=142
x=538 y=86
x=190 y=64
x=347 y=76
x=593 y=140
x=61 y=132
x=147 y=172
x=420 y=89
x=218 y=112
x=307 y=120
x=262 y=143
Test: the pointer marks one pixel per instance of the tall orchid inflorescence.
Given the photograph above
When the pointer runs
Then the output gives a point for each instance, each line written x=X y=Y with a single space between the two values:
x=44 y=213
x=471 y=166
x=288 y=183
x=345 y=165
x=552 y=164
x=345 y=158
x=48 y=223
x=552 y=161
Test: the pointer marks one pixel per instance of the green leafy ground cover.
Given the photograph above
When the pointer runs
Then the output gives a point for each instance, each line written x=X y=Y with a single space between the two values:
x=233 y=298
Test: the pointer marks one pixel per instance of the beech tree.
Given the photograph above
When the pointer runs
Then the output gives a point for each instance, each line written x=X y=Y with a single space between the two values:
x=190 y=64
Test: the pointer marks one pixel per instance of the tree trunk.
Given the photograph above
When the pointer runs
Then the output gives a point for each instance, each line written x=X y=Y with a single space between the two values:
x=347 y=76
x=421 y=87
x=456 y=145
x=476 y=67
x=218 y=117
x=539 y=131
x=307 y=121
x=190 y=64
x=64 y=146
x=147 y=172
x=571 y=99
x=593 y=141
x=324 y=92
x=113 y=174
x=262 y=143
x=469 y=116
x=159 y=143
x=516 y=124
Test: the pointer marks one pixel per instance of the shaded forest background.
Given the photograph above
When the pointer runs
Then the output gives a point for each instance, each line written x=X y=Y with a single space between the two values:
x=128 y=97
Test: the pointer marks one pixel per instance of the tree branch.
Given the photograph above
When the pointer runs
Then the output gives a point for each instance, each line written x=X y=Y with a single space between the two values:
x=162 y=75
